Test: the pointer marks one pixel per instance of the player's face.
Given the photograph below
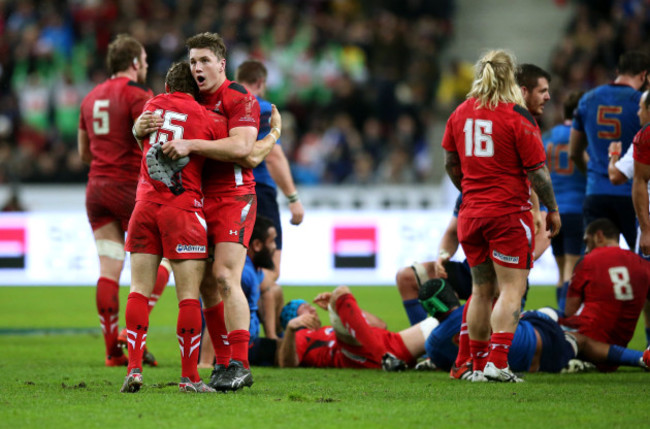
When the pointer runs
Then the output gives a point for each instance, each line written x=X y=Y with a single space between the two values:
x=643 y=113
x=144 y=66
x=306 y=308
x=537 y=97
x=264 y=258
x=208 y=70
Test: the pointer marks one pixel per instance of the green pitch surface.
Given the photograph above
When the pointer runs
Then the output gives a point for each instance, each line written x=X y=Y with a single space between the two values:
x=52 y=375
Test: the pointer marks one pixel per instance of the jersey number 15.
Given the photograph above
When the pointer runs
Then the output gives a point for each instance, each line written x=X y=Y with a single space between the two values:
x=478 y=138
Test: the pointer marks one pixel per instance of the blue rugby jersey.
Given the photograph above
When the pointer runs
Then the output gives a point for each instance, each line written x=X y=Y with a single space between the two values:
x=606 y=114
x=569 y=183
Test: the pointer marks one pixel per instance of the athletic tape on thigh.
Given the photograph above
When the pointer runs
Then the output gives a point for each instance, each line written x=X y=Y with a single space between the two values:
x=110 y=249
x=427 y=326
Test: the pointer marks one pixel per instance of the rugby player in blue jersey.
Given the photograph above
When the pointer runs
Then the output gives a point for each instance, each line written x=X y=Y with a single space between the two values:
x=569 y=185
x=606 y=114
x=270 y=174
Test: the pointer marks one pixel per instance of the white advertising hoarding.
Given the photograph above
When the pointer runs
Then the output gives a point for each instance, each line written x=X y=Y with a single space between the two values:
x=329 y=248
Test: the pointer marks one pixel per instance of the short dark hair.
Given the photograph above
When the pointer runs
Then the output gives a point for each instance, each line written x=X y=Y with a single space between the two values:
x=571 y=103
x=250 y=71
x=122 y=53
x=528 y=74
x=261 y=228
x=632 y=63
x=212 y=41
x=179 y=79
x=606 y=226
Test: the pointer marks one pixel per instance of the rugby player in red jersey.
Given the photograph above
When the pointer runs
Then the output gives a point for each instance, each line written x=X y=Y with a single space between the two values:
x=609 y=288
x=230 y=203
x=168 y=221
x=105 y=142
x=356 y=339
x=494 y=153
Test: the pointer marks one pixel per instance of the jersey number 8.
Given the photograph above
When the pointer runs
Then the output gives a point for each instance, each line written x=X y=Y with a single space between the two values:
x=620 y=277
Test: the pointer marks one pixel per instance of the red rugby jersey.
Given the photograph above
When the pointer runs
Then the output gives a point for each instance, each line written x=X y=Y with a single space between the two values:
x=241 y=109
x=107 y=114
x=184 y=118
x=496 y=148
x=613 y=285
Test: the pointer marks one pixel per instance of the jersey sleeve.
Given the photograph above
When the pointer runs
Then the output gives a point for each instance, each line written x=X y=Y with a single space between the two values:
x=579 y=279
x=448 y=139
x=642 y=146
x=242 y=108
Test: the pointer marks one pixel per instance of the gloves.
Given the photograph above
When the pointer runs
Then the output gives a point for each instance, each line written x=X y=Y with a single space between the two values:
x=166 y=170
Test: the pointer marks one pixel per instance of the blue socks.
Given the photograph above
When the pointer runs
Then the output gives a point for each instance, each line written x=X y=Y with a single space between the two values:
x=560 y=295
x=618 y=355
x=414 y=311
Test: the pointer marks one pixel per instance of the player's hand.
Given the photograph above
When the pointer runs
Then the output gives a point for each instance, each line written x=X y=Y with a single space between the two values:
x=147 y=123
x=615 y=149
x=176 y=148
x=553 y=223
x=439 y=267
x=644 y=242
x=323 y=299
x=307 y=320
x=297 y=212
x=276 y=118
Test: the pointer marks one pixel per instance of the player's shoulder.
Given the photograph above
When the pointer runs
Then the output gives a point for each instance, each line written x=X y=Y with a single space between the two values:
x=521 y=111
x=136 y=86
x=644 y=133
x=235 y=89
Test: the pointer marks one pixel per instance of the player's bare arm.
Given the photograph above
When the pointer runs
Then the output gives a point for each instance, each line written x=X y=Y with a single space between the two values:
x=452 y=165
x=448 y=246
x=83 y=145
x=287 y=355
x=540 y=180
x=265 y=146
x=640 y=199
x=614 y=154
x=577 y=147
x=236 y=146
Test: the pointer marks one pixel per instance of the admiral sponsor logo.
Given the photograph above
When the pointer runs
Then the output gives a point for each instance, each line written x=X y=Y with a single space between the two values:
x=189 y=248
x=247 y=119
x=505 y=258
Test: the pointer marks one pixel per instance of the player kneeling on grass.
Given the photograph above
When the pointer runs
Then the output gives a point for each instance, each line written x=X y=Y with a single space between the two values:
x=168 y=221
x=356 y=339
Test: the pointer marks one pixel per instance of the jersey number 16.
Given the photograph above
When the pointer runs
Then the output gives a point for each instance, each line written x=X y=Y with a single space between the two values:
x=478 y=138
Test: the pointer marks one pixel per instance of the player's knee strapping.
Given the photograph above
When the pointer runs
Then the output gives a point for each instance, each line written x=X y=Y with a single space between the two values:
x=110 y=249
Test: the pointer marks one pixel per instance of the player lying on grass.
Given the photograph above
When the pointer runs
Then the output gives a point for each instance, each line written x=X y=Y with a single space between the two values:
x=356 y=339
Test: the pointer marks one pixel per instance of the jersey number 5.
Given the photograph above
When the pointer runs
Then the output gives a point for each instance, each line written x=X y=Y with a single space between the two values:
x=101 y=125
x=478 y=138
x=620 y=277
x=606 y=119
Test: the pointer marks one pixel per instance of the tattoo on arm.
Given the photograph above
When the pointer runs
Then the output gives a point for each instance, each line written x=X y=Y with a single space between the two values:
x=515 y=316
x=452 y=165
x=541 y=182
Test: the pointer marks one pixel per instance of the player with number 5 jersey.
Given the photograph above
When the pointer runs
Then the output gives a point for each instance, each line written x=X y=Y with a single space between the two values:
x=494 y=153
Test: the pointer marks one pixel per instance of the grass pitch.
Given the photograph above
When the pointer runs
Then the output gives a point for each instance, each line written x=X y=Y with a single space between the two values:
x=52 y=375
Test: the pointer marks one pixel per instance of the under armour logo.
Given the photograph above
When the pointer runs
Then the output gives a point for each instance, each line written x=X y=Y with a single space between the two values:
x=233 y=232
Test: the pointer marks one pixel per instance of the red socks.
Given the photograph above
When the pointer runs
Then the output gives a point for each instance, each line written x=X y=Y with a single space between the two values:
x=479 y=351
x=356 y=323
x=499 y=346
x=463 y=339
x=216 y=324
x=137 y=324
x=108 y=308
x=188 y=332
x=239 y=340
x=161 y=283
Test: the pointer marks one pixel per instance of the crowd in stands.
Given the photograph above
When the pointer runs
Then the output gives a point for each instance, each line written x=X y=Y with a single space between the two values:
x=359 y=83
x=355 y=80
